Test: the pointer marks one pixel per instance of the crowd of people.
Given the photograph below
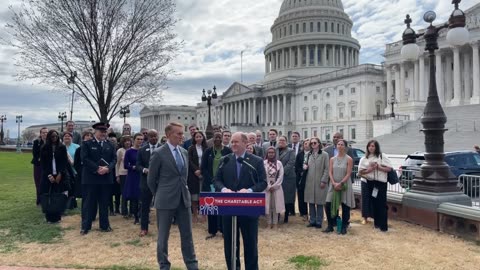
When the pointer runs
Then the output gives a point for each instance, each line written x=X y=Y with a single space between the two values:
x=140 y=170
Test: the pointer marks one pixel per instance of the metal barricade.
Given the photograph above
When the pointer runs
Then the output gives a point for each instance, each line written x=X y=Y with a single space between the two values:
x=404 y=185
x=470 y=185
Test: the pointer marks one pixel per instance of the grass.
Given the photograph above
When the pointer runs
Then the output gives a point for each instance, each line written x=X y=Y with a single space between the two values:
x=308 y=262
x=20 y=219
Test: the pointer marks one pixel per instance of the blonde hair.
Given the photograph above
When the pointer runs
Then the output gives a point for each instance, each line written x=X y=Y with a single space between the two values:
x=170 y=126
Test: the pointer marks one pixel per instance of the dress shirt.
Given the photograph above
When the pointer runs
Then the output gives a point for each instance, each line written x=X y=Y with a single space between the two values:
x=172 y=149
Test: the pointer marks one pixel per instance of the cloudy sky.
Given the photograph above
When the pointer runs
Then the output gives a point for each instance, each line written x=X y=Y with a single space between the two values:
x=214 y=33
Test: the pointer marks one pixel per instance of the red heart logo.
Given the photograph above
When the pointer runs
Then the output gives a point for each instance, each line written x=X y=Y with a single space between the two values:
x=209 y=200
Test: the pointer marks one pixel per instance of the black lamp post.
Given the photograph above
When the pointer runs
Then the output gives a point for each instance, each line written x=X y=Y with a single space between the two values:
x=124 y=113
x=435 y=183
x=71 y=80
x=208 y=99
x=19 y=120
x=3 y=118
x=392 y=102
x=61 y=117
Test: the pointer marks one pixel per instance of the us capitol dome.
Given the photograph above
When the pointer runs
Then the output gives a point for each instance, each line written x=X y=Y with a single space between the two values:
x=310 y=37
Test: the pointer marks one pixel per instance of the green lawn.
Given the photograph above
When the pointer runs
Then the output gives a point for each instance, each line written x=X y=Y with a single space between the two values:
x=20 y=219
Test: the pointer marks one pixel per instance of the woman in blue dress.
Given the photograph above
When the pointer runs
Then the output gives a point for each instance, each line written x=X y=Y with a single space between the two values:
x=131 y=192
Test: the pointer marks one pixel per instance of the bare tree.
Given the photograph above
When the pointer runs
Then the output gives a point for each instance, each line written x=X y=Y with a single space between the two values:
x=29 y=135
x=119 y=48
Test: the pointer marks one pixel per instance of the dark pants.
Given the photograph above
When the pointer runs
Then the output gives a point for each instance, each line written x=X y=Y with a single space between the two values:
x=289 y=210
x=96 y=195
x=332 y=221
x=115 y=207
x=379 y=204
x=302 y=205
x=123 y=209
x=146 y=199
x=248 y=226
x=367 y=209
x=214 y=224
x=37 y=177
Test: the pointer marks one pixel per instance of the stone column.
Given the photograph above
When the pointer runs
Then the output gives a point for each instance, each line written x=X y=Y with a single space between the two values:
x=422 y=89
x=307 y=55
x=315 y=55
x=292 y=108
x=267 y=110
x=324 y=55
x=466 y=78
x=389 y=83
x=457 y=84
x=402 y=91
x=289 y=64
x=280 y=60
x=475 y=74
x=284 y=119
x=332 y=59
x=415 y=92
x=342 y=51
x=261 y=114
x=334 y=53
x=397 y=83
x=278 y=110
x=273 y=110
x=254 y=111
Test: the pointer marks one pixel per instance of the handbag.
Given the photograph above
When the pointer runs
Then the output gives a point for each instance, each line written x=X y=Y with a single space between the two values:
x=53 y=202
x=392 y=177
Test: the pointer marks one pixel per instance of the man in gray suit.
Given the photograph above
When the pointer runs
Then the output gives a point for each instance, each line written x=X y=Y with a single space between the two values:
x=272 y=140
x=167 y=179
x=252 y=137
x=332 y=149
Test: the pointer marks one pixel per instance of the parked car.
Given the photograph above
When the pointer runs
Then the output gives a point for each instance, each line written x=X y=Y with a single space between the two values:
x=460 y=162
x=357 y=155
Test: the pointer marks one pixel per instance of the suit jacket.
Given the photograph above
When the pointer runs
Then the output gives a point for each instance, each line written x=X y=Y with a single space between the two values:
x=143 y=162
x=187 y=144
x=266 y=145
x=165 y=181
x=227 y=174
x=300 y=147
x=193 y=180
x=91 y=154
x=287 y=157
x=207 y=166
x=301 y=174
x=259 y=151
x=37 y=144
x=331 y=153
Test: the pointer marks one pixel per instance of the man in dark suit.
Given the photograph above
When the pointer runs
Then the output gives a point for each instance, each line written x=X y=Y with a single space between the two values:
x=143 y=161
x=76 y=137
x=252 y=137
x=295 y=143
x=242 y=172
x=192 y=129
x=167 y=179
x=98 y=159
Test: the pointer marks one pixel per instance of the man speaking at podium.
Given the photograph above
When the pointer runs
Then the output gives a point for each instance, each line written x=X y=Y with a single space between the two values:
x=241 y=172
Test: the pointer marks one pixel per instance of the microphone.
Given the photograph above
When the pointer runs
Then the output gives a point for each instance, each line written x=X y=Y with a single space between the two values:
x=242 y=160
x=225 y=160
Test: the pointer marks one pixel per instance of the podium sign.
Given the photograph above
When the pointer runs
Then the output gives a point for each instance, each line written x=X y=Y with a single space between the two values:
x=232 y=204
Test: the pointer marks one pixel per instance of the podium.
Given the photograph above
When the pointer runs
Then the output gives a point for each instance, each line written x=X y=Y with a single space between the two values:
x=232 y=204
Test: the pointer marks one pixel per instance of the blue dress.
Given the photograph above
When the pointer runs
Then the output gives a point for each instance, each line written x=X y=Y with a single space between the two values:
x=131 y=190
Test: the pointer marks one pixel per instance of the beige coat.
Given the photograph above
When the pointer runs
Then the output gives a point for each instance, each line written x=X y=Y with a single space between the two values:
x=277 y=191
x=317 y=174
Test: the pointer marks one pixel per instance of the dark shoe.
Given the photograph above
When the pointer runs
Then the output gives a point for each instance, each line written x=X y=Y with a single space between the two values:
x=83 y=232
x=344 y=231
x=310 y=225
x=112 y=213
x=143 y=233
x=318 y=226
x=109 y=229
x=329 y=229
x=136 y=221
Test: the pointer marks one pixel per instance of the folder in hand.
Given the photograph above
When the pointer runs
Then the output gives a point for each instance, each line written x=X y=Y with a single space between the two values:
x=103 y=162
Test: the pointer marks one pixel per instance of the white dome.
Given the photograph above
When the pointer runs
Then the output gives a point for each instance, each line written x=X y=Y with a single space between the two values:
x=310 y=37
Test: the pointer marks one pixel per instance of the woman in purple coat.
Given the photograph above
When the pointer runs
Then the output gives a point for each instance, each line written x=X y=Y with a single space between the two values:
x=131 y=191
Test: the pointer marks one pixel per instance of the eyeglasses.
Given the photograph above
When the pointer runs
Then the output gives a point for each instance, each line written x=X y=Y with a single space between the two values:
x=313 y=143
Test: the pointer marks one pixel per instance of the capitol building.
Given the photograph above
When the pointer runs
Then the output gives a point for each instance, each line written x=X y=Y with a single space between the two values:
x=315 y=85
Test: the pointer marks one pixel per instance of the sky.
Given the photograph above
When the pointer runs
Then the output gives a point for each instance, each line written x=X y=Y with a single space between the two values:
x=214 y=33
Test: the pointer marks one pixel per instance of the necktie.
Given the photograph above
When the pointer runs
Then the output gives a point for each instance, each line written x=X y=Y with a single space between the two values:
x=178 y=159
x=101 y=143
x=295 y=148
x=272 y=143
x=239 y=167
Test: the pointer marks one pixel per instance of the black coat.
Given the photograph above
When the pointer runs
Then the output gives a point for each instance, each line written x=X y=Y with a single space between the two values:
x=92 y=154
x=207 y=166
x=143 y=162
x=77 y=165
x=227 y=175
x=37 y=144
x=301 y=174
x=193 y=181
x=46 y=162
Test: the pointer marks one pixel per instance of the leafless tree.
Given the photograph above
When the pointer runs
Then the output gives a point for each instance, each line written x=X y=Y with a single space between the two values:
x=29 y=135
x=119 y=48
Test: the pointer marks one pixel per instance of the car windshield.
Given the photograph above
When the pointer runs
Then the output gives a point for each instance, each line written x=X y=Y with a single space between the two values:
x=466 y=160
x=360 y=153
x=414 y=160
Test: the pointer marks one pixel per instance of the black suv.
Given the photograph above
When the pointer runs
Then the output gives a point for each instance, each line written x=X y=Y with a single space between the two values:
x=460 y=162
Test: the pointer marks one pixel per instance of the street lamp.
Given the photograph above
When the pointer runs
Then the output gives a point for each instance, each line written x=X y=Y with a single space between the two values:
x=61 y=117
x=392 y=102
x=71 y=80
x=18 y=120
x=435 y=183
x=208 y=99
x=3 y=118
x=124 y=113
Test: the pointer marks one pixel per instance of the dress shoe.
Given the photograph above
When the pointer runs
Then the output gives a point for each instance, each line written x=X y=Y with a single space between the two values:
x=310 y=225
x=343 y=231
x=109 y=229
x=329 y=229
x=143 y=233
x=136 y=221
x=318 y=226
x=83 y=232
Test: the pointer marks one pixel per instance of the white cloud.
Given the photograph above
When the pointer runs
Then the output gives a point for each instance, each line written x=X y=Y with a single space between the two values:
x=214 y=34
